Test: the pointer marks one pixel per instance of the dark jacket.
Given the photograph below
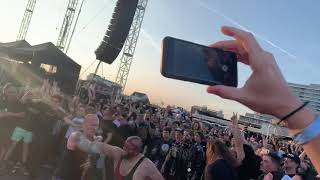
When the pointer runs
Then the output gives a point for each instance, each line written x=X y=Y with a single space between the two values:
x=185 y=162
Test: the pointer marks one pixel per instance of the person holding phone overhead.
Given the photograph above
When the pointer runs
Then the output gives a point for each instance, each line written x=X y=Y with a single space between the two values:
x=266 y=91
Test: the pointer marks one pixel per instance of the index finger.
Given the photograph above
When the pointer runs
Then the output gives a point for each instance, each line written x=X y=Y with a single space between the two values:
x=233 y=46
x=246 y=38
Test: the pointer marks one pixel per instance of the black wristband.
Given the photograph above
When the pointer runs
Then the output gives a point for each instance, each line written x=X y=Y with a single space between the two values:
x=293 y=112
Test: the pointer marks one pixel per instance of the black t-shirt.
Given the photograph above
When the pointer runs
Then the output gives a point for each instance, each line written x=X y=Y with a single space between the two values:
x=70 y=167
x=165 y=146
x=186 y=162
x=249 y=168
x=120 y=134
x=220 y=169
x=153 y=148
x=37 y=118
x=8 y=124
x=107 y=126
x=14 y=107
x=169 y=143
x=146 y=142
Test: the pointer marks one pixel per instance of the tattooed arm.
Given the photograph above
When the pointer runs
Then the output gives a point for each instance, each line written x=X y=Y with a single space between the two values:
x=78 y=140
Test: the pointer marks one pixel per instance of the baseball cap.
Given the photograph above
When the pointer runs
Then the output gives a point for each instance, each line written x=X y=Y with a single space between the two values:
x=275 y=157
x=179 y=130
x=293 y=157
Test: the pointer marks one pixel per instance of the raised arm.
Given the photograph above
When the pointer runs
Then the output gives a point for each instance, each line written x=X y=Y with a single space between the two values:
x=274 y=141
x=302 y=155
x=238 y=139
x=264 y=140
x=109 y=137
x=77 y=140
x=166 y=162
x=12 y=115
x=67 y=119
x=113 y=152
x=266 y=91
x=151 y=171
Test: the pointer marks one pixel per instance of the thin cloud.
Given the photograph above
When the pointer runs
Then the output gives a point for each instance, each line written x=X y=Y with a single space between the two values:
x=246 y=29
x=150 y=39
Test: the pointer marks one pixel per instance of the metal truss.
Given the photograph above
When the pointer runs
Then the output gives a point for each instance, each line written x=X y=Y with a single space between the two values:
x=26 y=20
x=67 y=24
x=130 y=45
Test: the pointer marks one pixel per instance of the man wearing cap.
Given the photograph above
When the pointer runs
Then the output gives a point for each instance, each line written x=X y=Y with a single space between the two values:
x=291 y=164
x=270 y=166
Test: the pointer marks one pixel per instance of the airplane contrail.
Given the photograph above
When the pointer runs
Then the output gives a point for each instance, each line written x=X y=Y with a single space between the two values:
x=150 y=39
x=246 y=29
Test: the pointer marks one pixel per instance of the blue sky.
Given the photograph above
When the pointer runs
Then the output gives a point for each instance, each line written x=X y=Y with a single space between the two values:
x=288 y=29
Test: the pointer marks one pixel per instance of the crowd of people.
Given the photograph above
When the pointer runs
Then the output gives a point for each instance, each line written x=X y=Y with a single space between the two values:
x=101 y=140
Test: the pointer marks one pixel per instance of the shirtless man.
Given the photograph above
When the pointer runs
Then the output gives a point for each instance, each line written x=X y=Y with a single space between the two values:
x=129 y=163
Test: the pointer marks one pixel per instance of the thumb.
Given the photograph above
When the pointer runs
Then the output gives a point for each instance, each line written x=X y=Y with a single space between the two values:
x=225 y=92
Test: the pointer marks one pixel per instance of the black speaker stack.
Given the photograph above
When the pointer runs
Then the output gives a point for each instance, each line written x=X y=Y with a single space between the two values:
x=118 y=31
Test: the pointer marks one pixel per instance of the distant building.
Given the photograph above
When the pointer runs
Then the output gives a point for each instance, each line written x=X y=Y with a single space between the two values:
x=103 y=87
x=264 y=117
x=309 y=93
x=205 y=110
x=99 y=80
x=139 y=97
x=262 y=123
x=205 y=115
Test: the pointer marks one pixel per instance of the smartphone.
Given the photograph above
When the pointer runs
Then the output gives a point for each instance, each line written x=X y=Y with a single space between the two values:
x=192 y=62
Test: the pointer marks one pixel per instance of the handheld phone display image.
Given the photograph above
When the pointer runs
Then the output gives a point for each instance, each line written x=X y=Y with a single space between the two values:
x=197 y=63
x=219 y=65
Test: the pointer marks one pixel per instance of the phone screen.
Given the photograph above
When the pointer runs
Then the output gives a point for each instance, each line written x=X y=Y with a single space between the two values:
x=203 y=64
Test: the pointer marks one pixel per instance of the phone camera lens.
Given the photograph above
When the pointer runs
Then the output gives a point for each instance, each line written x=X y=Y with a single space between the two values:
x=225 y=68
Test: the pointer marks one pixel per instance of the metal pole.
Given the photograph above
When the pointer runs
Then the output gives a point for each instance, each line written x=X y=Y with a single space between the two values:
x=74 y=28
x=97 y=68
x=66 y=24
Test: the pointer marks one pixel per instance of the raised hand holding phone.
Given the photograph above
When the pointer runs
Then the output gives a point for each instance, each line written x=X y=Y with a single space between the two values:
x=266 y=90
